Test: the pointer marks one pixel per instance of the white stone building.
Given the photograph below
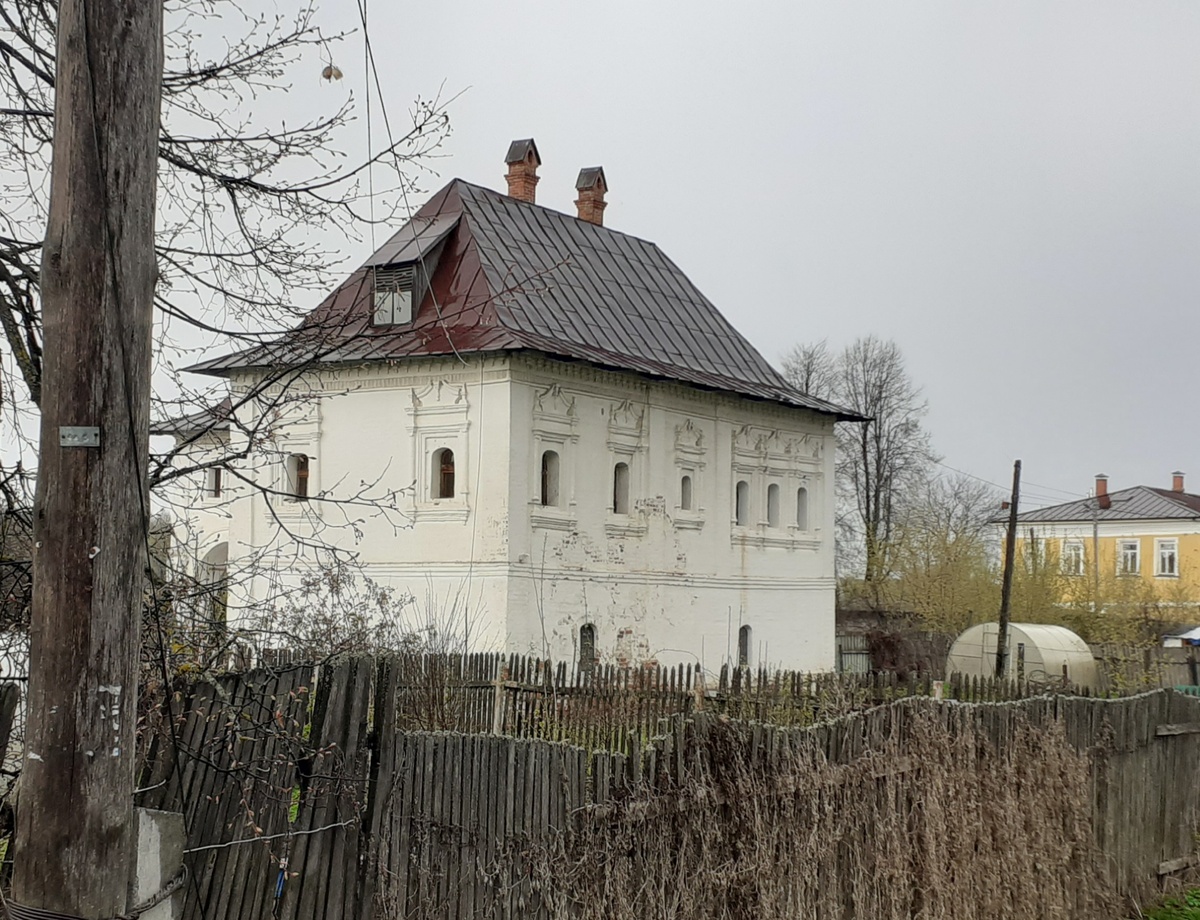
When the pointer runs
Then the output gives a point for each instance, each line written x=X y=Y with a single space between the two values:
x=580 y=447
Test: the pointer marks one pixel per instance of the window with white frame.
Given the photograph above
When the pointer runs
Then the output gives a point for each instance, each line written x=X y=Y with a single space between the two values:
x=1128 y=557
x=213 y=486
x=393 y=294
x=1072 y=558
x=1035 y=554
x=1166 y=561
x=297 y=476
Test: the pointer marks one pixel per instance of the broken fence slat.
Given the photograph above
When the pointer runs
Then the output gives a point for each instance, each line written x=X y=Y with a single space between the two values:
x=1177 y=728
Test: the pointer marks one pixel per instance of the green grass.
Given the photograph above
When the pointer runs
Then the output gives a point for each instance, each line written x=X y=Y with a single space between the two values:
x=1179 y=907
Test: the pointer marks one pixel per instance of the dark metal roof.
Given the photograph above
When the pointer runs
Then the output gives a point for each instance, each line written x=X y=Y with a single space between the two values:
x=1139 y=503
x=518 y=276
x=210 y=418
x=589 y=176
x=518 y=150
x=414 y=240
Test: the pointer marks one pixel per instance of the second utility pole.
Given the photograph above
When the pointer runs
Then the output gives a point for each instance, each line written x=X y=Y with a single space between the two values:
x=1010 y=547
x=75 y=827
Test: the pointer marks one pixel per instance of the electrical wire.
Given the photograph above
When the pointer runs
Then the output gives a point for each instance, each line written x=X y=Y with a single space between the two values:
x=387 y=124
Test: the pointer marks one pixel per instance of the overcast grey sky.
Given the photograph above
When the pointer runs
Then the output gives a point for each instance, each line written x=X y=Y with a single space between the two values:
x=1008 y=189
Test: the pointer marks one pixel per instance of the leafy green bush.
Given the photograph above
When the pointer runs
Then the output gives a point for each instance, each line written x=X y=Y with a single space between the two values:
x=1180 y=907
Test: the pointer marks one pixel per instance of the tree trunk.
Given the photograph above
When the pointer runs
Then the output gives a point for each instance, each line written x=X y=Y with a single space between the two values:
x=75 y=822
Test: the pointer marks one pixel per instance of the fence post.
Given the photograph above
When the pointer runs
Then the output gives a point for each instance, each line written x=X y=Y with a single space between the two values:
x=498 y=701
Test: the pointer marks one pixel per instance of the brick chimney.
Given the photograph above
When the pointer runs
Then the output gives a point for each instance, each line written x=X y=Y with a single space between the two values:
x=1177 y=481
x=523 y=161
x=1102 y=491
x=591 y=186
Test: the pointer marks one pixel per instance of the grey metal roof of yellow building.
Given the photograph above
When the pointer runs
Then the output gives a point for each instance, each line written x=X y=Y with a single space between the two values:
x=1138 y=503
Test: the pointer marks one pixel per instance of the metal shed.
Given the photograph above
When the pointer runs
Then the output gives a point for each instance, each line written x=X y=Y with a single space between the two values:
x=1036 y=652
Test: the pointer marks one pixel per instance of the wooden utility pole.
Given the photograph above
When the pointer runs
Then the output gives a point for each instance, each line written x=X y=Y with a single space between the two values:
x=75 y=828
x=1010 y=549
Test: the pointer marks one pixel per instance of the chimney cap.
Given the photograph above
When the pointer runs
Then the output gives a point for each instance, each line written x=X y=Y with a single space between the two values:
x=590 y=177
x=1177 y=473
x=520 y=150
x=1103 y=476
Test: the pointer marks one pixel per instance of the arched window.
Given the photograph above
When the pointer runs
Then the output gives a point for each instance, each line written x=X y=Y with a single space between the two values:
x=214 y=583
x=742 y=503
x=297 y=476
x=685 y=493
x=802 y=509
x=773 y=505
x=745 y=634
x=550 y=478
x=587 y=647
x=443 y=473
x=620 y=503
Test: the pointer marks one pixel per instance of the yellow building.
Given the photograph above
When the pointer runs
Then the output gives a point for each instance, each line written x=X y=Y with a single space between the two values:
x=1147 y=541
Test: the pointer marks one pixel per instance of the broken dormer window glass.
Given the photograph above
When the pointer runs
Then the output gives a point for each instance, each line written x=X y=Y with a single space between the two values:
x=394 y=287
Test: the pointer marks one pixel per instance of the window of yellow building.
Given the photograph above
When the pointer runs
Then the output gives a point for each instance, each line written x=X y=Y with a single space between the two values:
x=1072 y=558
x=1128 y=553
x=1166 y=564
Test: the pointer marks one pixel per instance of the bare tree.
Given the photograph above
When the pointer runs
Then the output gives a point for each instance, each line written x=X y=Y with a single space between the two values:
x=879 y=462
x=812 y=369
x=245 y=202
x=944 y=551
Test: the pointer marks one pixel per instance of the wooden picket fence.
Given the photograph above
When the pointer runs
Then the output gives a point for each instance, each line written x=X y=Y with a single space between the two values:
x=532 y=698
x=325 y=793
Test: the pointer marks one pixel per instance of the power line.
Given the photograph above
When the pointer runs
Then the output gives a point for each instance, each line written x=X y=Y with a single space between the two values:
x=1039 y=494
x=387 y=124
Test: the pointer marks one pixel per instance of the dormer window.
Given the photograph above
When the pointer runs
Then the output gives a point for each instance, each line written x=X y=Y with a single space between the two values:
x=395 y=286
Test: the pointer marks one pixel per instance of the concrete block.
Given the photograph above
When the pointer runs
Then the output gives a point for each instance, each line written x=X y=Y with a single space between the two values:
x=160 y=842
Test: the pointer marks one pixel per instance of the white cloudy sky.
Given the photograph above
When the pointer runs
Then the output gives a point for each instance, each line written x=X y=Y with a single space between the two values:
x=1010 y=190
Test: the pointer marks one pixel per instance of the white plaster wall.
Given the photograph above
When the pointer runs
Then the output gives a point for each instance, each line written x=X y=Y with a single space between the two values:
x=681 y=583
x=370 y=433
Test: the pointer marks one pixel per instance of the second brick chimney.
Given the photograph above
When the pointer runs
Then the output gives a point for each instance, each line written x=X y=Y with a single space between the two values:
x=523 y=161
x=1177 y=481
x=591 y=186
x=1102 y=491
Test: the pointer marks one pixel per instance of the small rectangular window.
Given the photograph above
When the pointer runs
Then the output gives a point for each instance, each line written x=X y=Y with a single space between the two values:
x=213 y=484
x=297 y=476
x=1167 y=562
x=1128 y=561
x=1072 y=558
x=393 y=294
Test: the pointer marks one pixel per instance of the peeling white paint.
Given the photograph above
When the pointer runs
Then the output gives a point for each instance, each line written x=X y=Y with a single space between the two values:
x=33 y=756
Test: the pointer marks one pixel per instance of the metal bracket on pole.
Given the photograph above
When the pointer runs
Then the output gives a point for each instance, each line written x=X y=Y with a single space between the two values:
x=78 y=436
